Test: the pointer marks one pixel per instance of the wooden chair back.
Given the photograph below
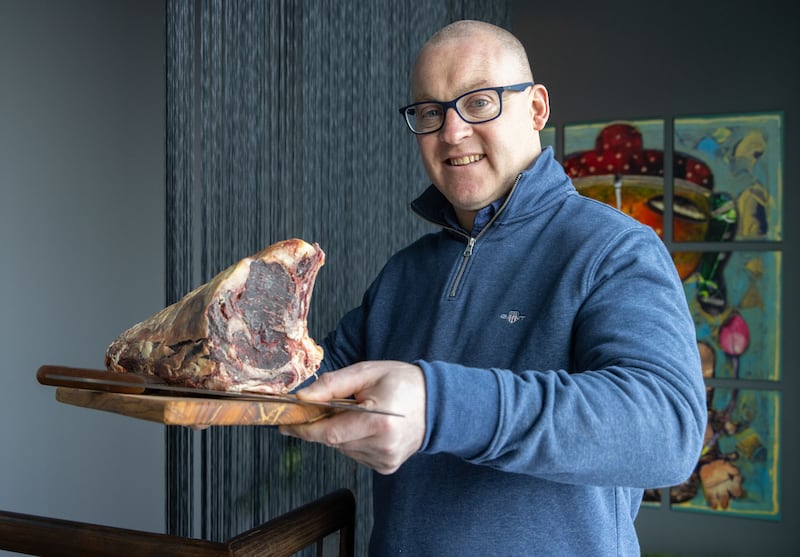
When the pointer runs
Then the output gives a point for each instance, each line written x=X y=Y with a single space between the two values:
x=282 y=536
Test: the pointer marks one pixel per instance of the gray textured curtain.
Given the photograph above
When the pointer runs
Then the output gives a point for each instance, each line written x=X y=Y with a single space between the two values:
x=282 y=122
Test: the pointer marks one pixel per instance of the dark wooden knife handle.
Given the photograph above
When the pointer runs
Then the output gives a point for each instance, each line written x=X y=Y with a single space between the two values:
x=61 y=376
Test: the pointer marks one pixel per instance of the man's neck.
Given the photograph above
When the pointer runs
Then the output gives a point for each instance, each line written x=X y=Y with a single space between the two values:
x=466 y=219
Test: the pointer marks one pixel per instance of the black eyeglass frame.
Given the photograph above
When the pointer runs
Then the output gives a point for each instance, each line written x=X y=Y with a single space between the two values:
x=454 y=105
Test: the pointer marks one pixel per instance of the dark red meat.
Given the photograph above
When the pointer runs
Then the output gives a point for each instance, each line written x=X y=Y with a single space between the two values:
x=246 y=329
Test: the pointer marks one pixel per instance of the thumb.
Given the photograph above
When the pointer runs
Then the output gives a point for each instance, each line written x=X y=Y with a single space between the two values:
x=342 y=383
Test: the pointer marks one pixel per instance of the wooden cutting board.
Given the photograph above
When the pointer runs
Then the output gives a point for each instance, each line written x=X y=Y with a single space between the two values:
x=196 y=412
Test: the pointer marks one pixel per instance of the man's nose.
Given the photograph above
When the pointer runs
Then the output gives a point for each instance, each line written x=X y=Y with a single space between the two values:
x=454 y=127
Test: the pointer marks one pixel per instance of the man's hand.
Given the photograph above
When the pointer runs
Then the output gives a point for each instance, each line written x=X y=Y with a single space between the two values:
x=381 y=442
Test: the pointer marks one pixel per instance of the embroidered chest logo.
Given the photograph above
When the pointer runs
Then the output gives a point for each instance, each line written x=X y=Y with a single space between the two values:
x=512 y=316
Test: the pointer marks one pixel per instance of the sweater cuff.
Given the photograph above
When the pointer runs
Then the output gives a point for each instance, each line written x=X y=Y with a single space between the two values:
x=462 y=409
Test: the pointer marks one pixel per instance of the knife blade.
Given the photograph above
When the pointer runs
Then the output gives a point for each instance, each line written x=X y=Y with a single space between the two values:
x=109 y=381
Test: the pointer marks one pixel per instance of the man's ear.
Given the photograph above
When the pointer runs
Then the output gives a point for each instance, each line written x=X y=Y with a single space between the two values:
x=540 y=106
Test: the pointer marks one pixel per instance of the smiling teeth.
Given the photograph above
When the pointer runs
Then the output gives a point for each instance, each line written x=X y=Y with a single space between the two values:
x=465 y=160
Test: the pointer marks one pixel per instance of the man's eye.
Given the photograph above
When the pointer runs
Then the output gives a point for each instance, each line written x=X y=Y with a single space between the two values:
x=479 y=103
x=429 y=113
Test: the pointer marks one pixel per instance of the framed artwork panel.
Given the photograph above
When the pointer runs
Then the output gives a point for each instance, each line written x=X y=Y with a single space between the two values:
x=620 y=163
x=728 y=176
x=737 y=474
x=735 y=300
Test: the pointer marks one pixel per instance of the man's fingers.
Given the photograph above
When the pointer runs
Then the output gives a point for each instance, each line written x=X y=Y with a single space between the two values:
x=381 y=442
x=338 y=384
x=361 y=449
x=342 y=427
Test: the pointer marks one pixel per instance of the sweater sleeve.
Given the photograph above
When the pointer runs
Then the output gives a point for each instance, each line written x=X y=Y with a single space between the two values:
x=631 y=412
x=344 y=345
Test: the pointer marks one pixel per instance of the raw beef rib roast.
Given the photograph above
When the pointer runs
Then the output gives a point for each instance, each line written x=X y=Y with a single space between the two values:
x=245 y=329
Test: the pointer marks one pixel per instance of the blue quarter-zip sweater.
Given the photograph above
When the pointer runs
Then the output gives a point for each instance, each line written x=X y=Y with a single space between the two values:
x=562 y=376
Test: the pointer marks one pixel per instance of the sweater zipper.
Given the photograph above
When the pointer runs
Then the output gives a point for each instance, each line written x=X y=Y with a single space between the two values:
x=463 y=267
x=471 y=240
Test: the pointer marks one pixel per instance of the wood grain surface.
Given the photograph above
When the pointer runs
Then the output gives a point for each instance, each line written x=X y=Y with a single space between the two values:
x=194 y=412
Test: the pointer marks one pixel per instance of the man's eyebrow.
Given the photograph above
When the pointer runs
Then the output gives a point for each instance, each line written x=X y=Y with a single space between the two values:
x=467 y=88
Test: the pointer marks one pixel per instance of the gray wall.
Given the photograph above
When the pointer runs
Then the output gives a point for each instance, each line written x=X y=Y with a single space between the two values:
x=81 y=248
x=626 y=59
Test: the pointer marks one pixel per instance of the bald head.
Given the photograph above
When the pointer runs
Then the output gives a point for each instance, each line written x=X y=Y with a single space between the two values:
x=470 y=30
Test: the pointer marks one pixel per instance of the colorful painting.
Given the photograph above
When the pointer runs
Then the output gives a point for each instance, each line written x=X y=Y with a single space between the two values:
x=737 y=474
x=622 y=164
x=619 y=163
x=728 y=177
x=726 y=187
x=734 y=298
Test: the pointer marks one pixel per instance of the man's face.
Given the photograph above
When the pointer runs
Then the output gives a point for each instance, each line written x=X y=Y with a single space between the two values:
x=476 y=164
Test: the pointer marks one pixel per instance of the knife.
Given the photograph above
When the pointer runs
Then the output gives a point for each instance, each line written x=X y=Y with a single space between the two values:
x=132 y=383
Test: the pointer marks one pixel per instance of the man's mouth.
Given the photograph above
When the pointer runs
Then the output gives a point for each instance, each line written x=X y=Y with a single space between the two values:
x=467 y=159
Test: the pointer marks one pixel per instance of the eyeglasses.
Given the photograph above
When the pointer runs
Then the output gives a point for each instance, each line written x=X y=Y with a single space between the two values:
x=474 y=107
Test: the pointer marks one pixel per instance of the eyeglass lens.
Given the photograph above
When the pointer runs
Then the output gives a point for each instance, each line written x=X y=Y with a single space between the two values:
x=474 y=107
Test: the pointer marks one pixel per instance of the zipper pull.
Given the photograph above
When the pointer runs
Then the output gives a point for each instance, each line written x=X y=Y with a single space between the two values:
x=468 y=249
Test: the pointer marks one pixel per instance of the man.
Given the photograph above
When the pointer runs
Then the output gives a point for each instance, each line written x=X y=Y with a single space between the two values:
x=539 y=346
